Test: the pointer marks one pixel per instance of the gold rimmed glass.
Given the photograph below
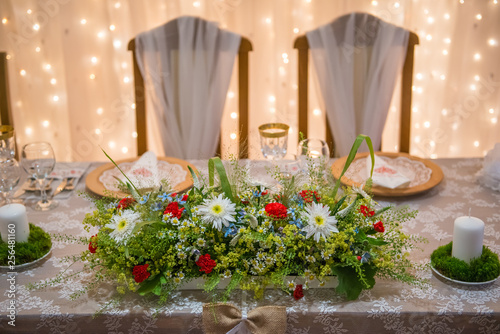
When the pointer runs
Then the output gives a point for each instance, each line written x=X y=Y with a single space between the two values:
x=273 y=140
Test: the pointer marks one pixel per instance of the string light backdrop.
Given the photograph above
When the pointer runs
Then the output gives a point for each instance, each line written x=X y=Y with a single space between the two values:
x=71 y=78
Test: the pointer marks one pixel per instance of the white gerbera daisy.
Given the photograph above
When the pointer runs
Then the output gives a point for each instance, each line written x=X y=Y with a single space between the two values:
x=218 y=211
x=319 y=222
x=122 y=225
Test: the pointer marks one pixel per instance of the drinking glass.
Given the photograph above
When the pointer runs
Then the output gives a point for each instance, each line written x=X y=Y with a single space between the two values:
x=10 y=173
x=313 y=153
x=7 y=143
x=38 y=161
x=273 y=140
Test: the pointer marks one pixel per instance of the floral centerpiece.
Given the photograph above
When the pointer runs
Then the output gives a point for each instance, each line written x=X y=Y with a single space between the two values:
x=252 y=235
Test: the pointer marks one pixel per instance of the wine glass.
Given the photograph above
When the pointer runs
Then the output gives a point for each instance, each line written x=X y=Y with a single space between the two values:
x=7 y=143
x=273 y=140
x=38 y=161
x=10 y=173
x=312 y=153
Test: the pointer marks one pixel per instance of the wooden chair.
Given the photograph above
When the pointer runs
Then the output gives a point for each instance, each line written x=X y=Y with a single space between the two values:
x=302 y=45
x=140 y=100
x=5 y=108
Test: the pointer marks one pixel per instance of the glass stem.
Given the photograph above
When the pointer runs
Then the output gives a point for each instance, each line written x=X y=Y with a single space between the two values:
x=43 y=193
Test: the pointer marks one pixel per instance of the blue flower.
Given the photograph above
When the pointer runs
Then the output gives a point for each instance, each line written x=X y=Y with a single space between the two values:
x=163 y=197
x=366 y=257
x=157 y=206
x=144 y=199
x=230 y=230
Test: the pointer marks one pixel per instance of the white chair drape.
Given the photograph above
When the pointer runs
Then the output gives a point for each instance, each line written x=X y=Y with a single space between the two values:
x=357 y=58
x=186 y=65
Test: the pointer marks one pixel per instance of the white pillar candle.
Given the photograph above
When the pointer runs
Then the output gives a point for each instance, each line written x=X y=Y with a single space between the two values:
x=468 y=235
x=14 y=222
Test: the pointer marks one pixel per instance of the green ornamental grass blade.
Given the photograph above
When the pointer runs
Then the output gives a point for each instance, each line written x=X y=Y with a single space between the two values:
x=215 y=164
x=114 y=163
x=357 y=143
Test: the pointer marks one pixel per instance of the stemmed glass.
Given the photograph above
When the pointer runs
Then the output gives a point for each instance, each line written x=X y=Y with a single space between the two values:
x=273 y=140
x=312 y=153
x=38 y=161
x=10 y=173
x=7 y=143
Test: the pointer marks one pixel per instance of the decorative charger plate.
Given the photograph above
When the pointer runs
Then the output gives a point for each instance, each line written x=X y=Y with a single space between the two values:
x=437 y=273
x=424 y=174
x=101 y=181
x=25 y=265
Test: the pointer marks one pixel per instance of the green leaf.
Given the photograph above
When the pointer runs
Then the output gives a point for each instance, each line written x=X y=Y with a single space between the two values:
x=193 y=175
x=376 y=242
x=114 y=163
x=215 y=164
x=336 y=207
x=149 y=285
x=349 y=282
x=352 y=155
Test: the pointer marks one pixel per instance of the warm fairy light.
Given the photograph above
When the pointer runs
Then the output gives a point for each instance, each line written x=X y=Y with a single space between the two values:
x=124 y=64
x=134 y=134
x=45 y=124
x=476 y=143
x=126 y=79
x=92 y=76
x=494 y=120
x=308 y=1
x=444 y=112
x=101 y=34
x=492 y=42
x=428 y=37
x=233 y=136
x=317 y=112
x=461 y=1
x=430 y=20
x=447 y=40
x=268 y=20
x=434 y=156
x=476 y=77
x=492 y=111
x=472 y=87
x=284 y=55
x=55 y=98
x=396 y=5
x=272 y=98
x=479 y=16
x=7 y=57
x=414 y=109
x=446 y=16
x=426 y=11
x=117 y=5
x=374 y=3
x=22 y=72
x=47 y=66
x=28 y=131
x=117 y=43
x=196 y=4
x=419 y=76
x=111 y=144
x=454 y=126
x=290 y=131
x=445 y=52
x=36 y=27
x=112 y=27
x=432 y=143
x=417 y=139
x=97 y=131
x=99 y=111
x=124 y=149
x=281 y=69
x=477 y=56
x=442 y=77
x=230 y=94
x=234 y=115
x=420 y=90
x=4 y=20
x=37 y=49
x=93 y=60
x=132 y=106
x=29 y=11
x=53 y=81
x=295 y=30
x=427 y=124
x=83 y=21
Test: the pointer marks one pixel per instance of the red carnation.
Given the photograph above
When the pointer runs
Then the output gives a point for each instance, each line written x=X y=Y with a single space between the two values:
x=309 y=196
x=359 y=258
x=276 y=210
x=205 y=263
x=125 y=202
x=93 y=244
x=379 y=227
x=174 y=210
x=298 y=293
x=141 y=273
x=366 y=211
x=184 y=198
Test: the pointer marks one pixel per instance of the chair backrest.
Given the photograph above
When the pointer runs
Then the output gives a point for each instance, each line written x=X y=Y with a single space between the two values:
x=243 y=96
x=302 y=45
x=5 y=108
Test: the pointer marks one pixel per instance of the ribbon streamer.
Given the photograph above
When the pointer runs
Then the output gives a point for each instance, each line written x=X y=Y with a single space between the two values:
x=222 y=318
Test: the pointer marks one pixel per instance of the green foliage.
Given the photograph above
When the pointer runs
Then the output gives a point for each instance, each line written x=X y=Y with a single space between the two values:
x=353 y=280
x=482 y=269
x=38 y=244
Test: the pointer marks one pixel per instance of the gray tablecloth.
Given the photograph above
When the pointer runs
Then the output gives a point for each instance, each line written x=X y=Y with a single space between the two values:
x=389 y=307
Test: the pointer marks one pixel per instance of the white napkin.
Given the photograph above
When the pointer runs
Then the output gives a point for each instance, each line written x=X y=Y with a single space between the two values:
x=489 y=176
x=385 y=175
x=144 y=172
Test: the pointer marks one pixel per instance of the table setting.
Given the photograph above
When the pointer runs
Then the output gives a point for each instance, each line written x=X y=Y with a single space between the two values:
x=134 y=206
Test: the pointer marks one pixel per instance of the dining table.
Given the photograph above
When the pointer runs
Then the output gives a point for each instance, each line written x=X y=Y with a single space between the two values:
x=436 y=306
